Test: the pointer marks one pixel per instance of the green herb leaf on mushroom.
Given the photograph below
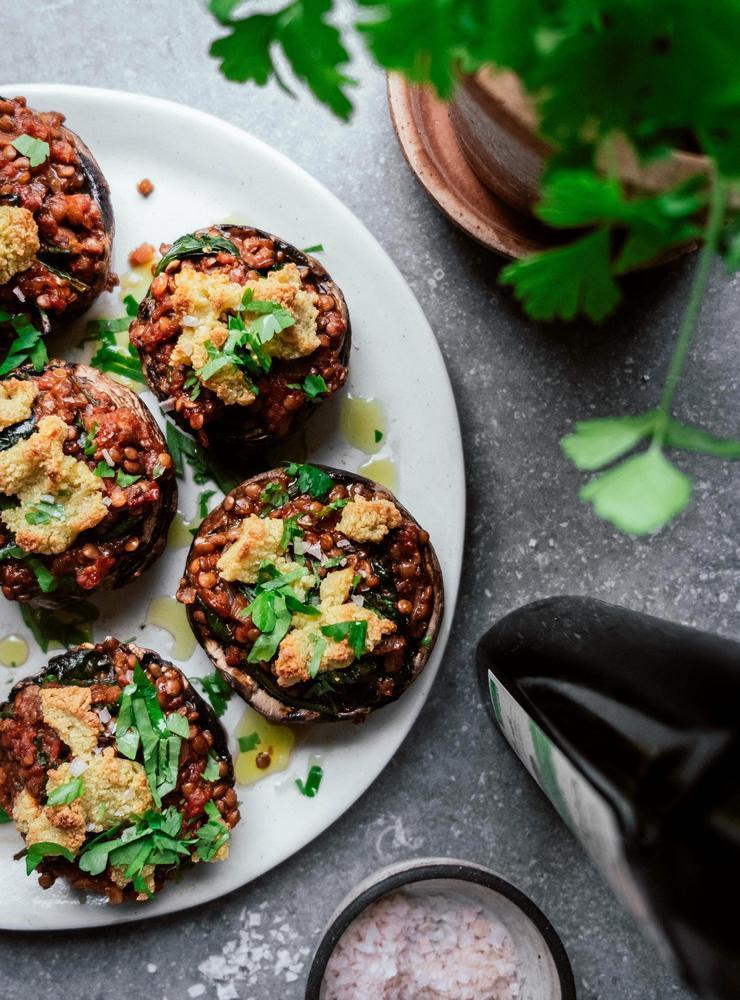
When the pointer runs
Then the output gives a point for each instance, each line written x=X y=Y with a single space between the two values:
x=70 y=624
x=45 y=849
x=28 y=345
x=4 y=818
x=354 y=632
x=191 y=245
x=66 y=793
x=310 y=479
x=36 y=150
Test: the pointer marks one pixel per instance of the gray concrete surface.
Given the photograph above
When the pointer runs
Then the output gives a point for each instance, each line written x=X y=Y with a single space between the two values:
x=453 y=789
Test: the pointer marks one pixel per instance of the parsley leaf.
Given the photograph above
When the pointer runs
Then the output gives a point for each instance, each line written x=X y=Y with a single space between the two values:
x=274 y=496
x=124 y=479
x=113 y=357
x=310 y=479
x=45 y=849
x=354 y=632
x=314 y=385
x=66 y=793
x=250 y=742
x=640 y=494
x=596 y=443
x=311 y=786
x=28 y=344
x=4 y=818
x=560 y=283
x=217 y=690
x=192 y=245
x=45 y=511
x=318 y=651
x=103 y=470
x=316 y=248
x=35 y=149
x=312 y=46
x=211 y=836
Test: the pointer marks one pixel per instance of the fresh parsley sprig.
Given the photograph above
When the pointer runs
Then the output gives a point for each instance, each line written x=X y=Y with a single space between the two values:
x=37 y=150
x=644 y=492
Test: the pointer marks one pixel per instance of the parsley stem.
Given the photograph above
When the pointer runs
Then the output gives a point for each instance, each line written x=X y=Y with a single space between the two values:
x=717 y=206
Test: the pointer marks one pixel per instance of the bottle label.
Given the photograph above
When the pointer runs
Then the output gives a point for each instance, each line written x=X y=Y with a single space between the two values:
x=587 y=813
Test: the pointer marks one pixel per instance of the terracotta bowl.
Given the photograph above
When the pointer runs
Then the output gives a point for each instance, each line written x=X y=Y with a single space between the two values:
x=496 y=125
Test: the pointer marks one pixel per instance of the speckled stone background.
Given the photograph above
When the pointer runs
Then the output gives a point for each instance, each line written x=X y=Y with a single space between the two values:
x=454 y=788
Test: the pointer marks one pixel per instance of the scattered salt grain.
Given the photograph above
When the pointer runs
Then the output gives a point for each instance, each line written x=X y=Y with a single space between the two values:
x=407 y=946
x=196 y=990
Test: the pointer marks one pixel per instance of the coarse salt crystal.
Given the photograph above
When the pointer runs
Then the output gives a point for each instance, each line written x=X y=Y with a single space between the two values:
x=406 y=946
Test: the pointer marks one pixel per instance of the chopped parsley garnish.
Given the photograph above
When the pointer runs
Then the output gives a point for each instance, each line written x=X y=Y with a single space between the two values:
x=103 y=470
x=45 y=849
x=318 y=652
x=378 y=435
x=46 y=511
x=203 y=497
x=90 y=446
x=334 y=505
x=250 y=742
x=212 y=836
x=314 y=385
x=62 y=795
x=274 y=495
x=141 y=721
x=212 y=771
x=217 y=691
x=311 y=786
x=274 y=604
x=4 y=818
x=244 y=346
x=191 y=245
x=113 y=358
x=291 y=530
x=354 y=632
x=28 y=345
x=124 y=479
x=193 y=385
x=154 y=839
x=310 y=479
x=45 y=578
x=35 y=149
x=316 y=248
x=426 y=641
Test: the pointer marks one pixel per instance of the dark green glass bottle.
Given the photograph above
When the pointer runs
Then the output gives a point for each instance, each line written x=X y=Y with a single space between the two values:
x=631 y=726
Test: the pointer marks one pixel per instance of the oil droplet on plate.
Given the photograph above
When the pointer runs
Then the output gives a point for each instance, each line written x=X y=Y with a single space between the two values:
x=273 y=750
x=169 y=614
x=363 y=423
x=136 y=282
x=383 y=471
x=179 y=536
x=13 y=651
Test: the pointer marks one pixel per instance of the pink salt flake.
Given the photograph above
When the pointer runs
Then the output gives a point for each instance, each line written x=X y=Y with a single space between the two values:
x=406 y=946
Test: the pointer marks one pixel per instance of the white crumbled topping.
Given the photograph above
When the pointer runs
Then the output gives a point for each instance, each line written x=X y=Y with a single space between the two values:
x=406 y=946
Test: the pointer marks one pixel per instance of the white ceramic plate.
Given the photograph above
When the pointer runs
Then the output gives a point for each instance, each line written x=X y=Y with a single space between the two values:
x=206 y=170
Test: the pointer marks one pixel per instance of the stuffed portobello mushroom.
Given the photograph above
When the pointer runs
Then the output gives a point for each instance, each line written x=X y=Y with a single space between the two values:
x=315 y=593
x=56 y=219
x=241 y=335
x=115 y=771
x=87 y=487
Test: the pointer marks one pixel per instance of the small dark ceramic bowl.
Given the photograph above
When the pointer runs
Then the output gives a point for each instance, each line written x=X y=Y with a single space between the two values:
x=544 y=966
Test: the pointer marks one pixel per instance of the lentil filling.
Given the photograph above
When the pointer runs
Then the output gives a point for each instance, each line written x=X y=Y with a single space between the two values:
x=396 y=579
x=68 y=199
x=112 y=433
x=31 y=750
x=281 y=402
